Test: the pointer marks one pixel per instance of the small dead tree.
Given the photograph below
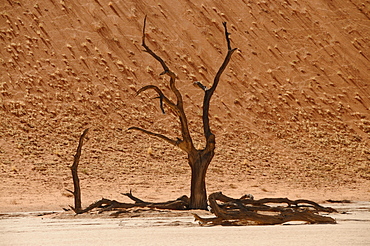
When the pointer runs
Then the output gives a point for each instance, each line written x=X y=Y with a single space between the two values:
x=198 y=159
x=74 y=169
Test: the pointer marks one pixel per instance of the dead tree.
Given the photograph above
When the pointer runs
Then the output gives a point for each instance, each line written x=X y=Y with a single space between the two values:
x=74 y=169
x=198 y=159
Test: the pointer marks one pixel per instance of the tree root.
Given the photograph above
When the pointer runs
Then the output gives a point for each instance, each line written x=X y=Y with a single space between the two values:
x=246 y=211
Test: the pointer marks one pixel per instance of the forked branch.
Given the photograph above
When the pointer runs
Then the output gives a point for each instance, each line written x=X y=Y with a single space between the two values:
x=209 y=92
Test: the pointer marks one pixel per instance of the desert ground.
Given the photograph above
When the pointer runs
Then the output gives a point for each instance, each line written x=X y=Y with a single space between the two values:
x=178 y=228
x=291 y=114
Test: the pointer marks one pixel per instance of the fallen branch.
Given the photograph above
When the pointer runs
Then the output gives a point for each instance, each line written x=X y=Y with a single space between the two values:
x=182 y=203
x=256 y=212
x=106 y=205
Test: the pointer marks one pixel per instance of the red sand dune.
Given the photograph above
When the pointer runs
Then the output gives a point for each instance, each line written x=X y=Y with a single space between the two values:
x=291 y=113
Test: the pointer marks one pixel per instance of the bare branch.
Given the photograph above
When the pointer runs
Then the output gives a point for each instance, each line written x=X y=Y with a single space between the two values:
x=167 y=139
x=167 y=71
x=200 y=85
x=132 y=197
x=210 y=91
x=178 y=107
x=227 y=34
x=230 y=51
x=178 y=142
x=161 y=104
x=70 y=191
x=147 y=49
x=162 y=97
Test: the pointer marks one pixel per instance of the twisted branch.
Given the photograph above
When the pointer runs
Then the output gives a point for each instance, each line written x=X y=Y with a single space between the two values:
x=186 y=143
x=236 y=212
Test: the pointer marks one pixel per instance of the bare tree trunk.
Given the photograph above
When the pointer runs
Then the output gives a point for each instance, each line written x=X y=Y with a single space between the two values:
x=199 y=161
x=74 y=169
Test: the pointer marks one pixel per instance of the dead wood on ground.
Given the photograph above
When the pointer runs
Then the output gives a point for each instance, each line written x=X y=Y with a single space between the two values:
x=228 y=211
x=181 y=203
x=247 y=211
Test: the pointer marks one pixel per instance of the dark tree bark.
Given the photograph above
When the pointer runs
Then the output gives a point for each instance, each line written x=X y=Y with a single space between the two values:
x=198 y=160
x=74 y=169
